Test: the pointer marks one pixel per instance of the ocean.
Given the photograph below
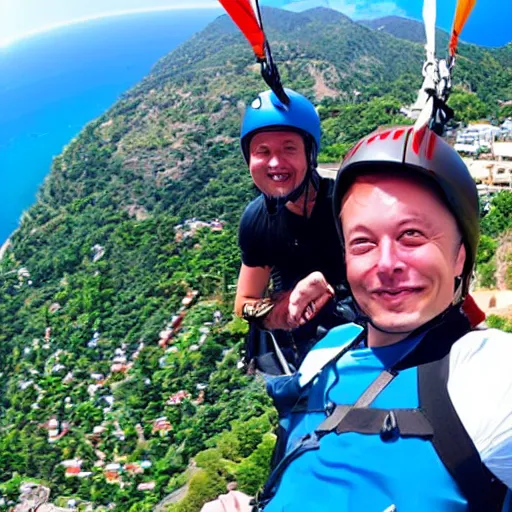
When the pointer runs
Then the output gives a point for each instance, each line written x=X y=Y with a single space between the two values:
x=52 y=84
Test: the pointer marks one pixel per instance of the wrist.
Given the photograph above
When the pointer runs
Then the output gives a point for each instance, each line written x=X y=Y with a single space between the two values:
x=277 y=317
x=257 y=311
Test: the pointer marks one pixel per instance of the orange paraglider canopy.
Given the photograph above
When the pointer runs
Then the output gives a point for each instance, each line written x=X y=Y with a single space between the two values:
x=464 y=8
x=242 y=13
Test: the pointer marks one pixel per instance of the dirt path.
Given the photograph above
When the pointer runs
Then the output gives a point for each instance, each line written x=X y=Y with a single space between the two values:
x=178 y=494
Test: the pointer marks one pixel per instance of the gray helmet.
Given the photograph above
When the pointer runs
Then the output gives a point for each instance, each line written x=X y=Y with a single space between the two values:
x=423 y=152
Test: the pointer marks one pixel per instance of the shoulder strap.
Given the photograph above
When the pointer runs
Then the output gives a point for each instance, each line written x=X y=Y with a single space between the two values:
x=484 y=492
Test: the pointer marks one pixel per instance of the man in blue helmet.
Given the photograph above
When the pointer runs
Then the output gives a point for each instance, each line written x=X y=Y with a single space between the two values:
x=287 y=235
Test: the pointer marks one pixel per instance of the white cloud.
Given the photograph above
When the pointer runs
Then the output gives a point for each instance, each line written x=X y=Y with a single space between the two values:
x=24 y=18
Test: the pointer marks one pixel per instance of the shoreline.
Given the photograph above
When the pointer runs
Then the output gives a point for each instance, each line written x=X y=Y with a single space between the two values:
x=5 y=246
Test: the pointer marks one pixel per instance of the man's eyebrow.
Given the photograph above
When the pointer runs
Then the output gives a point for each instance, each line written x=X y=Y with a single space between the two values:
x=415 y=217
x=258 y=144
x=358 y=227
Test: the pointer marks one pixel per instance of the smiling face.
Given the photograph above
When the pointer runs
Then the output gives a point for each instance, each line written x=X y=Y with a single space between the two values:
x=403 y=252
x=277 y=162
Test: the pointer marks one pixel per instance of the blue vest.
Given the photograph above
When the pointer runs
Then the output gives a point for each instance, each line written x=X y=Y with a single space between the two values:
x=359 y=472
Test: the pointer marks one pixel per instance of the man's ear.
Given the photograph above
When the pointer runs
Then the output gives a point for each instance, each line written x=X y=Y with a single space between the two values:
x=460 y=260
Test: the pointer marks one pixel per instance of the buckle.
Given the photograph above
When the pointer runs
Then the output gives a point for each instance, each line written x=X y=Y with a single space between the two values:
x=389 y=431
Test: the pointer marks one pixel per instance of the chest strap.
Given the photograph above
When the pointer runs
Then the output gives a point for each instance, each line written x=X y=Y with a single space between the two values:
x=340 y=413
x=388 y=423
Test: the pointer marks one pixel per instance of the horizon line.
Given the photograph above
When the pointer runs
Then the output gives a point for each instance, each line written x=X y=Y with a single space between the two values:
x=208 y=4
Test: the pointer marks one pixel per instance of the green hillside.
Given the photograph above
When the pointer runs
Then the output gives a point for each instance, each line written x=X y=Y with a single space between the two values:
x=140 y=211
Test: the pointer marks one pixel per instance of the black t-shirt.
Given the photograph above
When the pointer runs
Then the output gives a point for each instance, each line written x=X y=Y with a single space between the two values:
x=293 y=247
x=290 y=244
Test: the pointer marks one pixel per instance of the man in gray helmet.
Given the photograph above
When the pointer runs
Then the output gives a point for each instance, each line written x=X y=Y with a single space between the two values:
x=413 y=412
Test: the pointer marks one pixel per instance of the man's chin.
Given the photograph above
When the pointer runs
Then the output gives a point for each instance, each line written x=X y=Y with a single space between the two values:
x=276 y=194
x=282 y=191
x=400 y=323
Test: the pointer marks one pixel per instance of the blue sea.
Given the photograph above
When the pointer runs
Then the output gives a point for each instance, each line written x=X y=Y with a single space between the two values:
x=52 y=84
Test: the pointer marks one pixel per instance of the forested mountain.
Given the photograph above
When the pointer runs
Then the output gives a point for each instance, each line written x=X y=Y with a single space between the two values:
x=117 y=346
x=405 y=28
x=413 y=30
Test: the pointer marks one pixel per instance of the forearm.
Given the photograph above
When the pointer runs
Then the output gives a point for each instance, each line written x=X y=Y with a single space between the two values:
x=278 y=316
x=252 y=286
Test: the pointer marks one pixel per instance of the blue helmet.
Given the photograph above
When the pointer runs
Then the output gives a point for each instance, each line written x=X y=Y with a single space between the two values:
x=268 y=113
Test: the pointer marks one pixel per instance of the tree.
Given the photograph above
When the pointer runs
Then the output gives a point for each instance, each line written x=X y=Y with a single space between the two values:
x=499 y=219
x=252 y=473
x=467 y=107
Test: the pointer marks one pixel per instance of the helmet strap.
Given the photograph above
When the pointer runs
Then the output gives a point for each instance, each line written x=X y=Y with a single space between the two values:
x=458 y=294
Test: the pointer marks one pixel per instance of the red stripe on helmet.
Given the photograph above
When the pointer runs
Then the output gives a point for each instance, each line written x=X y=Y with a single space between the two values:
x=417 y=139
x=398 y=133
x=369 y=140
x=431 y=144
x=385 y=135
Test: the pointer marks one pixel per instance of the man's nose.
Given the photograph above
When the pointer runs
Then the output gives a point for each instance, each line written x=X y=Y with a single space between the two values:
x=275 y=160
x=389 y=258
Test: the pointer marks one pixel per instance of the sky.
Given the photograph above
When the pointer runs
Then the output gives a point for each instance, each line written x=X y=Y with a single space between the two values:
x=490 y=23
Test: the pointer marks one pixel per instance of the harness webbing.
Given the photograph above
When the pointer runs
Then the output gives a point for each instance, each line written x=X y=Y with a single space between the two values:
x=390 y=424
x=484 y=492
x=333 y=421
x=435 y=419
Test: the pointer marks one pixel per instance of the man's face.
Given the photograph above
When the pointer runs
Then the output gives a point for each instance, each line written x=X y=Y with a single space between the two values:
x=277 y=161
x=403 y=251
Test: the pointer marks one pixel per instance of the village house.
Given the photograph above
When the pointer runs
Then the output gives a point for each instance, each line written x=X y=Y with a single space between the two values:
x=162 y=426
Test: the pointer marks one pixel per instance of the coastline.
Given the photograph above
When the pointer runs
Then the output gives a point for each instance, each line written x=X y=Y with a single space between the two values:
x=5 y=246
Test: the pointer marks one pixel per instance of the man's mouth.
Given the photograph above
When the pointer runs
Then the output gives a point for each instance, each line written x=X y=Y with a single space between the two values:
x=392 y=293
x=279 y=177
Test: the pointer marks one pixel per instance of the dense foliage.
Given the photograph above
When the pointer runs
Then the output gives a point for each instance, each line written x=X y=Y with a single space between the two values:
x=495 y=250
x=101 y=264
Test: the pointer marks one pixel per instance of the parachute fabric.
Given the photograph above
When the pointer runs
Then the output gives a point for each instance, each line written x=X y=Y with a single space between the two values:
x=242 y=13
x=464 y=8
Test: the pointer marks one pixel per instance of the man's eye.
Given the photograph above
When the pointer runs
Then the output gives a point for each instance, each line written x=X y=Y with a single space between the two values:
x=359 y=241
x=412 y=232
x=412 y=235
x=360 y=245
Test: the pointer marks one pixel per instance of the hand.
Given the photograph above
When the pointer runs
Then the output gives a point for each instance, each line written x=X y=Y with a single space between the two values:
x=301 y=304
